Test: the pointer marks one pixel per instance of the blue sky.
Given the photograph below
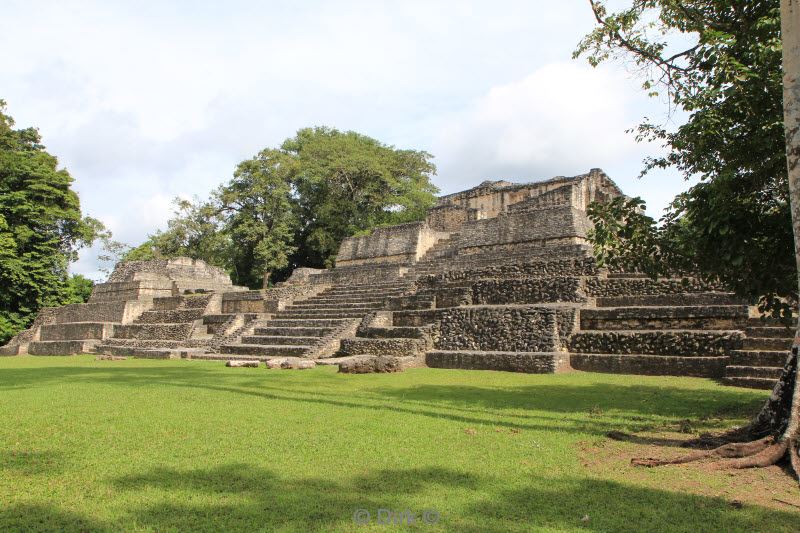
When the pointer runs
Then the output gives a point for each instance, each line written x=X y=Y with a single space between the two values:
x=145 y=101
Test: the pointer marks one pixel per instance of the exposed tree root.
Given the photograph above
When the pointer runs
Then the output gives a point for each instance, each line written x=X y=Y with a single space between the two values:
x=766 y=457
x=770 y=437
x=726 y=451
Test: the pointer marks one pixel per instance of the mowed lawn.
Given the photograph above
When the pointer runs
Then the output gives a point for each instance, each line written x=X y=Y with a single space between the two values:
x=185 y=445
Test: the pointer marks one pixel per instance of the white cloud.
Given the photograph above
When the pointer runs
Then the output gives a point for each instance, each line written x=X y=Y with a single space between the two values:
x=563 y=118
x=147 y=101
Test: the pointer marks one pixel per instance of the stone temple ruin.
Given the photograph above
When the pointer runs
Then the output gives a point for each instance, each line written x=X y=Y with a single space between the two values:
x=498 y=277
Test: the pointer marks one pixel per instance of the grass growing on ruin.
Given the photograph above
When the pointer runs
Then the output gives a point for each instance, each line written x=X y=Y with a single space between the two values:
x=178 y=445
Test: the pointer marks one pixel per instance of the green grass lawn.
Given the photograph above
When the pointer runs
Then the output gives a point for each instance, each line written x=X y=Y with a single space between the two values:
x=187 y=445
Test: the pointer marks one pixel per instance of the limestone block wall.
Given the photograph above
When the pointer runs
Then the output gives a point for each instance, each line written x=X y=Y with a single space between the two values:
x=187 y=274
x=552 y=226
x=267 y=301
x=132 y=290
x=447 y=217
x=491 y=198
x=400 y=244
x=121 y=312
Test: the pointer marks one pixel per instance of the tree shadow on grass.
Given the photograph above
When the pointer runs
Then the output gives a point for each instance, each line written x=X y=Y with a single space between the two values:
x=266 y=501
x=240 y=497
x=649 y=399
x=45 y=518
x=518 y=407
x=31 y=463
x=563 y=504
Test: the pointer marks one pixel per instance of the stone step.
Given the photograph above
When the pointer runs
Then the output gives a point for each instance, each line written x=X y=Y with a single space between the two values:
x=195 y=301
x=174 y=331
x=392 y=332
x=773 y=332
x=394 y=346
x=139 y=352
x=768 y=322
x=279 y=340
x=292 y=331
x=766 y=343
x=227 y=357
x=371 y=290
x=527 y=362
x=264 y=350
x=349 y=313
x=664 y=317
x=366 y=289
x=63 y=347
x=323 y=300
x=307 y=322
x=76 y=331
x=173 y=316
x=167 y=303
x=341 y=306
x=681 y=299
x=750 y=382
x=222 y=318
x=10 y=349
x=771 y=372
x=685 y=343
x=480 y=260
x=144 y=343
x=759 y=357
x=648 y=364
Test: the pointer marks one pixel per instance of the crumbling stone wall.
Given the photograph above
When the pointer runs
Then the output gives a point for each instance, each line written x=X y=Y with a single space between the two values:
x=528 y=290
x=520 y=329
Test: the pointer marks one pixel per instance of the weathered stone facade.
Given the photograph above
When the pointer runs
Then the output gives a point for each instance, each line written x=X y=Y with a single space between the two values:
x=498 y=277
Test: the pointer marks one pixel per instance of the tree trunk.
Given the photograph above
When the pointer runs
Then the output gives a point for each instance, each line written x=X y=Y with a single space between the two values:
x=790 y=35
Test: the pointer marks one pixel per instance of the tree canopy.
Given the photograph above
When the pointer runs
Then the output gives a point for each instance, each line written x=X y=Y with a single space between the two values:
x=41 y=229
x=292 y=206
x=720 y=62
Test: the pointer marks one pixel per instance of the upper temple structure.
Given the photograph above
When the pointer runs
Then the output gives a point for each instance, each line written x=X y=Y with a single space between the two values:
x=497 y=277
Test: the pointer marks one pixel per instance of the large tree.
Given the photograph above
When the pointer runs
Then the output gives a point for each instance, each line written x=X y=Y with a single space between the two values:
x=348 y=183
x=258 y=213
x=41 y=229
x=729 y=81
x=292 y=206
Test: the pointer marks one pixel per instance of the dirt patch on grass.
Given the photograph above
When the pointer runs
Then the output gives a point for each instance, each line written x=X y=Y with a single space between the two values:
x=772 y=487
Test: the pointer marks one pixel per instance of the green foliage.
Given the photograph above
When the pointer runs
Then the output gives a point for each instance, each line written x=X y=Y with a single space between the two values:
x=347 y=182
x=293 y=206
x=258 y=215
x=78 y=290
x=41 y=227
x=624 y=238
x=194 y=231
x=734 y=225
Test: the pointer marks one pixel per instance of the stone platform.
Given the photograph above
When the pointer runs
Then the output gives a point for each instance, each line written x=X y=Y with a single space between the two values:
x=498 y=277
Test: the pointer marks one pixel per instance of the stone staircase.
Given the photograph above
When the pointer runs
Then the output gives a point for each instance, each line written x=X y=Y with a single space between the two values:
x=759 y=361
x=173 y=325
x=312 y=327
x=658 y=328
